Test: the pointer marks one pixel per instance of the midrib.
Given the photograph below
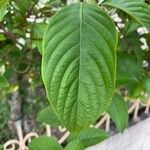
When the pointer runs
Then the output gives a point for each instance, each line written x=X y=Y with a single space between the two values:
x=80 y=55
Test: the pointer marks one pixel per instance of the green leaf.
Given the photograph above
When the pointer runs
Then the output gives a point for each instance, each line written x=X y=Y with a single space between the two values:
x=2 y=37
x=75 y=145
x=3 y=3
x=131 y=44
x=118 y=112
x=127 y=69
x=3 y=7
x=44 y=143
x=38 y=44
x=134 y=89
x=48 y=116
x=79 y=63
x=2 y=69
x=23 y=5
x=3 y=82
x=90 y=136
x=147 y=37
x=146 y=84
x=130 y=26
x=37 y=35
x=137 y=9
x=1 y=147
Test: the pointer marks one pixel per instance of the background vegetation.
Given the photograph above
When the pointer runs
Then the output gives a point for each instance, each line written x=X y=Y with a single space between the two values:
x=22 y=93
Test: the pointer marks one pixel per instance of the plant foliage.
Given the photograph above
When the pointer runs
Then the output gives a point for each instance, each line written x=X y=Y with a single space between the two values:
x=87 y=55
x=79 y=42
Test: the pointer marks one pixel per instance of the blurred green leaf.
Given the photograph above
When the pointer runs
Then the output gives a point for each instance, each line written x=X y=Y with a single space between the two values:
x=1 y=147
x=44 y=143
x=3 y=7
x=131 y=44
x=90 y=136
x=38 y=30
x=23 y=5
x=134 y=89
x=130 y=26
x=48 y=116
x=3 y=82
x=137 y=9
x=2 y=37
x=127 y=69
x=37 y=35
x=2 y=69
x=146 y=84
x=147 y=37
x=75 y=145
x=118 y=112
x=9 y=73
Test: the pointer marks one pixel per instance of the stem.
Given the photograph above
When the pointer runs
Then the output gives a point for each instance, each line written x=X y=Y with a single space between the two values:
x=48 y=130
x=107 y=126
x=135 y=117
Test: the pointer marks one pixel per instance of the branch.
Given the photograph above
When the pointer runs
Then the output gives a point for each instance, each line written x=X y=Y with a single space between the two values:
x=10 y=35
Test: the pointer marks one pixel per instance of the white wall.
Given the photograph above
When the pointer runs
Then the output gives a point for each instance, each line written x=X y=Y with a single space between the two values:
x=136 y=137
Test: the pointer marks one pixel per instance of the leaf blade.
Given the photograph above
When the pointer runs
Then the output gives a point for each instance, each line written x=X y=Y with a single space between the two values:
x=75 y=145
x=146 y=84
x=127 y=69
x=3 y=82
x=3 y=7
x=71 y=54
x=38 y=30
x=44 y=143
x=137 y=9
x=48 y=116
x=90 y=136
x=118 y=112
